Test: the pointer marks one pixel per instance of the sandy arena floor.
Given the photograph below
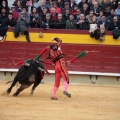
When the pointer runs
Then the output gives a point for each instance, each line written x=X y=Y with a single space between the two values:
x=88 y=102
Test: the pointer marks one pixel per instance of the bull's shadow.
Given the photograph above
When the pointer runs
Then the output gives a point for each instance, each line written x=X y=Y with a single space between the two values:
x=30 y=73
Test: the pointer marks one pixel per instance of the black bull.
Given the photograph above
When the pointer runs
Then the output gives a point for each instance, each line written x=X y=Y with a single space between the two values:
x=28 y=74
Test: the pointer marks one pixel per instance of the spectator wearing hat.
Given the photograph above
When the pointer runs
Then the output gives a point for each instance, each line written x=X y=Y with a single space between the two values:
x=27 y=15
x=15 y=14
x=11 y=22
x=22 y=27
x=117 y=11
x=64 y=2
x=66 y=6
x=70 y=23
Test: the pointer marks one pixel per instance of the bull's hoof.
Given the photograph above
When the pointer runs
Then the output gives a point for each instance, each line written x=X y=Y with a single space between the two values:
x=8 y=91
x=15 y=95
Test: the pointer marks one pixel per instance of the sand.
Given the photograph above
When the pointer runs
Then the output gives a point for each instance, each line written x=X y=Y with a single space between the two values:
x=88 y=102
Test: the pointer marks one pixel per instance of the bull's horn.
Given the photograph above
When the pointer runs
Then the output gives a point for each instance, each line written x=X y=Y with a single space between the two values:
x=41 y=69
x=26 y=64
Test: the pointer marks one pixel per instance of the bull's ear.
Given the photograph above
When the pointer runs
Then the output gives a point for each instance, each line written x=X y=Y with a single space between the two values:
x=39 y=68
x=26 y=64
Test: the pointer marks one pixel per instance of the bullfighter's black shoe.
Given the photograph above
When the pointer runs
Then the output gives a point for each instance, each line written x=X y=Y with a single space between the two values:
x=67 y=94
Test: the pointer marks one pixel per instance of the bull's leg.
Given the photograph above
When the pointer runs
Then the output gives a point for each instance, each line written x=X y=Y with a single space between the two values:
x=34 y=86
x=21 y=88
x=12 y=85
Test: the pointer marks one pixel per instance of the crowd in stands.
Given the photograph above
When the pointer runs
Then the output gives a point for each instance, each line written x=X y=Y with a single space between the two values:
x=61 y=14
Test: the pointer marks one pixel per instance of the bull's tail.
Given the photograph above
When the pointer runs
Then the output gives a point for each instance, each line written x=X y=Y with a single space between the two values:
x=9 y=81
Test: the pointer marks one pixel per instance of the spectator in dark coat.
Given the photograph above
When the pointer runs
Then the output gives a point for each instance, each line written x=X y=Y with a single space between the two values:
x=53 y=15
x=66 y=15
x=82 y=23
x=43 y=14
x=60 y=22
x=85 y=10
x=4 y=4
x=77 y=15
x=80 y=5
x=11 y=22
x=72 y=4
x=67 y=6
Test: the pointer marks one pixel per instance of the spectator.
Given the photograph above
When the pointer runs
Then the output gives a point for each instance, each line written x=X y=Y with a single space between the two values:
x=29 y=5
x=4 y=5
x=59 y=3
x=3 y=22
x=36 y=3
x=82 y=23
x=117 y=11
x=100 y=15
x=22 y=27
x=94 y=20
x=90 y=16
x=107 y=10
x=66 y=7
x=27 y=15
x=72 y=4
x=42 y=6
x=70 y=23
x=104 y=22
x=54 y=4
x=11 y=22
x=10 y=3
x=53 y=16
x=112 y=14
x=43 y=14
x=18 y=5
x=77 y=15
x=60 y=22
x=96 y=8
x=114 y=24
x=47 y=23
x=66 y=15
x=34 y=18
x=80 y=5
x=14 y=13
x=64 y=3
x=74 y=10
x=85 y=9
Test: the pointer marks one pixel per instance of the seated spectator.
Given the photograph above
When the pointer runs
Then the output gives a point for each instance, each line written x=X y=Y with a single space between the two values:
x=85 y=9
x=60 y=22
x=14 y=13
x=117 y=11
x=96 y=8
x=100 y=15
x=104 y=22
x=22 y=27
x=80 y=5
x=18 y=5
x=114 y=24
x=90 y=16
x=70 y=23
x=72 y=4
x=67 y=6
x=74 y=10
x=47 y=23
x=36 y=3
x=112 y=14
x=29 y=5
x=66 y=15
x=42 y=6
x=64 y=3
x=43 y=14
x=94 y=20
x=77 y=15
x=11 y=22
x=107 y=10
x=34 y=18
x=54 y=4
x=27 y=15
x=4 y=5
x=53 y=15
x=59 y=3
x=82 y=23
x=3 y=22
